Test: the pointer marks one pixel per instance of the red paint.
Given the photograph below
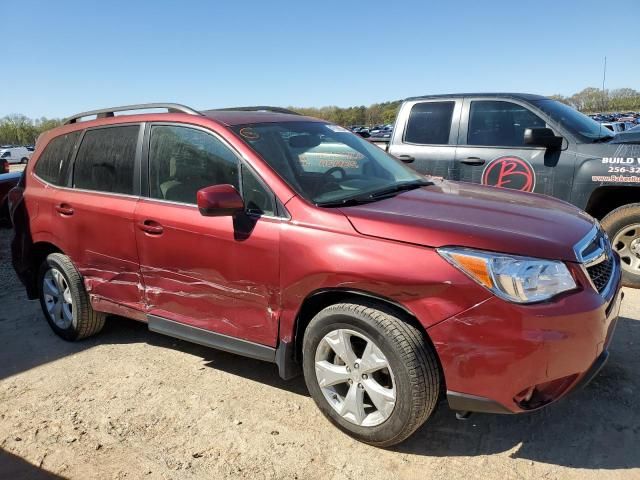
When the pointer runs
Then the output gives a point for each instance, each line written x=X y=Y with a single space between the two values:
x=248 y=278
x=219 y=200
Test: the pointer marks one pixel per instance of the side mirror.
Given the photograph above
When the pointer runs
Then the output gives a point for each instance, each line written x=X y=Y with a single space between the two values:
x=542 y=137
x=219 y=201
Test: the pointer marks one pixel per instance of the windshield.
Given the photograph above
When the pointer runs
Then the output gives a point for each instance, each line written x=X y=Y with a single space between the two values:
x=585 y=128
x=326 y=164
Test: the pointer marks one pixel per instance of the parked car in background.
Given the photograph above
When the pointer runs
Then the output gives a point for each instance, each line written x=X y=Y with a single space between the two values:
x=533 y=144
x=16 y=154
x=7 y=182
x=615 y=127
x=295 y=241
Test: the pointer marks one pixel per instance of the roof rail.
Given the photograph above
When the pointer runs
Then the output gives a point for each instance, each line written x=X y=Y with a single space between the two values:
x=109 y=112
x=259 y=108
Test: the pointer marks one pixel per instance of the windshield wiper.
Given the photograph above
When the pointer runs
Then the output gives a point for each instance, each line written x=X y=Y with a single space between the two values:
x=346 y=202
x=400 y=187
x=374 y=196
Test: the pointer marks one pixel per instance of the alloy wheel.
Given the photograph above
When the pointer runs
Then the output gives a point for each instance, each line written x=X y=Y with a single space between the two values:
x=627 y=244
x=57 y=298
x=355 y=377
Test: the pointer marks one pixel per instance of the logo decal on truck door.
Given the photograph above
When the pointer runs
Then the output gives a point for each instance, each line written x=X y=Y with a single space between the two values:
x=510 y=172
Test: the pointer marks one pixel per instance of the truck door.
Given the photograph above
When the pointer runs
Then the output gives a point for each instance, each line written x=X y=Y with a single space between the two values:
x=491 y=149
x=425 y=135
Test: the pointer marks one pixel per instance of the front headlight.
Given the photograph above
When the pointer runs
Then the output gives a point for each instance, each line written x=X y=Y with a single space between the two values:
x=510 y=277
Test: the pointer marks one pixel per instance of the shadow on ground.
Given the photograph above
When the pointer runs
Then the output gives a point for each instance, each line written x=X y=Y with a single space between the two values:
x=15 y=468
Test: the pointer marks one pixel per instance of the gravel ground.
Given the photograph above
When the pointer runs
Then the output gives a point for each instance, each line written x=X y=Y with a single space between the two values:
x=133 y=404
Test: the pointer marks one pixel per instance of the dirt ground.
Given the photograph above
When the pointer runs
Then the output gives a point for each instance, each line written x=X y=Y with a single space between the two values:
x=134 y=404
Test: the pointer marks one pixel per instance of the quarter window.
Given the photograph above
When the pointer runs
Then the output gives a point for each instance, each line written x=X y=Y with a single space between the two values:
x=429 y=123
x=106 y=160
x=500 y=123
x=257 y=199
x=53 y=164
x=183 y=160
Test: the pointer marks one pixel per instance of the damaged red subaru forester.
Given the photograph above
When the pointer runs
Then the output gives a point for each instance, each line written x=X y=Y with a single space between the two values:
x=291 y=240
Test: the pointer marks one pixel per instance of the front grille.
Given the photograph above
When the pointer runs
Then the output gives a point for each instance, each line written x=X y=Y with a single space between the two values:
x=601 y=273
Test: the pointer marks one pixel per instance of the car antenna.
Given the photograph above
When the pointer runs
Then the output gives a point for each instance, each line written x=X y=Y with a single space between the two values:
x=604 y=77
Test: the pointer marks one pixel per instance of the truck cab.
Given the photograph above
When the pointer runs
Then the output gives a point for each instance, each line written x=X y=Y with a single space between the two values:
x=533 y=144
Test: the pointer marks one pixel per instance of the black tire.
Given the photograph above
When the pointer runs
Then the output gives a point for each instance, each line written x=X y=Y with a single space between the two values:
x=85 y=321
x=410 y=357
x=25 y=160
x=616 y=222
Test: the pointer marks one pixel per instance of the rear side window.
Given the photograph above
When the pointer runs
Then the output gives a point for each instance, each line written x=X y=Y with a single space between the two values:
x=106 y=160
x=53 y=164
x=500 y=123
x=429 y=123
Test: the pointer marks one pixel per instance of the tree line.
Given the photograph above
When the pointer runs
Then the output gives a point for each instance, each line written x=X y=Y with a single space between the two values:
x=18 y=129
x=595 y=100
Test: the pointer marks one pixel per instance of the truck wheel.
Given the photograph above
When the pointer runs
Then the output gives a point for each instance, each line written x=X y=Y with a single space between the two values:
x=24 y=160
x=372 y=375
x=64 y=300
x=623 y=227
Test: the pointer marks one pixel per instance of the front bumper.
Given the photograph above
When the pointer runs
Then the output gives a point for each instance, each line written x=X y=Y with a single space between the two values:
x=500 y=357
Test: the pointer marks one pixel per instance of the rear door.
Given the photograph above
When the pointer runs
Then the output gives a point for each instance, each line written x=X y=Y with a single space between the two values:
x=491 y=149
x=94 y=218
x=425 y=135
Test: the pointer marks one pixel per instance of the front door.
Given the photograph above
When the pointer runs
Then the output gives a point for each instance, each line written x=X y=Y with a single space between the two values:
x=216 y=273
x=425 y=135
x=491 y=150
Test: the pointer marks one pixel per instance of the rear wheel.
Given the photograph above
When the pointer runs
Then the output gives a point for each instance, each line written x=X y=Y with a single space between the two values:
x=64 y=300
x=24 y=160
x=372 y=375
x=623 y=227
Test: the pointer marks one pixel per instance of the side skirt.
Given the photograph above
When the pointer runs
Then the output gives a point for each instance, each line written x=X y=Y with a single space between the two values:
x=211 y=339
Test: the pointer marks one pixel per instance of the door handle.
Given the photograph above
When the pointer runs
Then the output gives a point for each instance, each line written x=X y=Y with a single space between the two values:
x=406 y=158
x=64 y=209
x=475 y=161
x=151 y=227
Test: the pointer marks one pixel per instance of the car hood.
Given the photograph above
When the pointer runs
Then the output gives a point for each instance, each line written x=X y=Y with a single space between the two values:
x=487 y=218
x=631 y=136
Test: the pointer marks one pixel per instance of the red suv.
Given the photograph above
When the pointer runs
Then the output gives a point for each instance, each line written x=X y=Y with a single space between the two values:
x=291 y=240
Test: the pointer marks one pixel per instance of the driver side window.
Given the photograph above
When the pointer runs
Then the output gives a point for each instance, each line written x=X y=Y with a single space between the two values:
x=183 y=160
x=500 y=124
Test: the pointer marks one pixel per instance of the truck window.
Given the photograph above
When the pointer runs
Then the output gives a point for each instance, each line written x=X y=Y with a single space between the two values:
x=496 y=123
x=429 y=123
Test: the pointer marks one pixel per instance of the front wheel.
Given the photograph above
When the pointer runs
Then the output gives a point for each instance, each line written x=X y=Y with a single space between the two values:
x=372 y=375
x=623 y=228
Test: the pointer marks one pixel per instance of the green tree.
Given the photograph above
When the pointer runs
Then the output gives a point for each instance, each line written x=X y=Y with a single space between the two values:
x=17 y=129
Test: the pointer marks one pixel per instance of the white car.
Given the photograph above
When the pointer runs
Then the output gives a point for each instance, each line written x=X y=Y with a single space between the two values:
x=15 y=154
x=615 y=127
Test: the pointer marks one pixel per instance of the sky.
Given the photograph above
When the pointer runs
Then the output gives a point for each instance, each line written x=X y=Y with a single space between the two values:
x=63 y=57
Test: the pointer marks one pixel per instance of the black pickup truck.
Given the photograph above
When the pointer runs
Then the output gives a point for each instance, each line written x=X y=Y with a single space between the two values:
x=530 y=143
